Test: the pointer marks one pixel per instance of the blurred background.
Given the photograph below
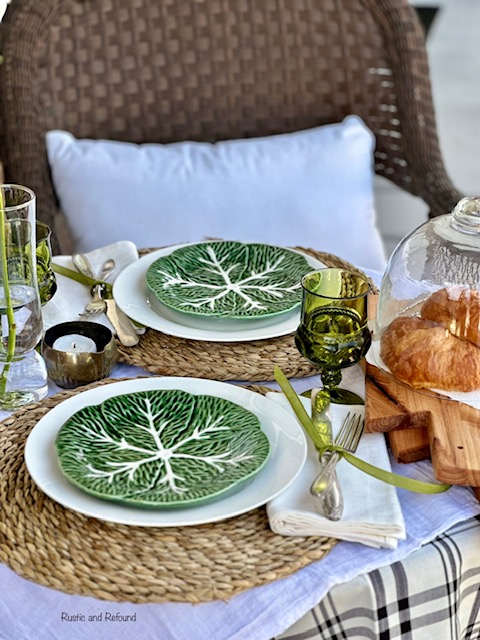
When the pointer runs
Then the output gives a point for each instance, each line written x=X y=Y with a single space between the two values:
x=454 y=56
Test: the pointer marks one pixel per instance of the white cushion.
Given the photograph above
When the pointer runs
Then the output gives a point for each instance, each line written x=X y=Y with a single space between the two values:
x=310 y=188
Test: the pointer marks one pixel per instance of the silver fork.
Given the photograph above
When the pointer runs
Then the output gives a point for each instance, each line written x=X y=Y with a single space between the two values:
x=97 y=304
x=326 y=485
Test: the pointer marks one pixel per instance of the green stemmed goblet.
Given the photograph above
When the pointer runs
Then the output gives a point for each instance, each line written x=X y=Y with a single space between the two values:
x=333 y=332
x=47 y=284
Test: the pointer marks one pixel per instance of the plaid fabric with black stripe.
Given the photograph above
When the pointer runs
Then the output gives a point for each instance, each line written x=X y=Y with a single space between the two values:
x=433 y=594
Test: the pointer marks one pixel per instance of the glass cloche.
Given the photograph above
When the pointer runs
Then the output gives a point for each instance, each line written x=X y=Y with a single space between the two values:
x=427 y=327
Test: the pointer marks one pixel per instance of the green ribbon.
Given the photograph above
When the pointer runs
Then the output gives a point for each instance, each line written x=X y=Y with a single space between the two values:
x=79 y=277
x=385 y=476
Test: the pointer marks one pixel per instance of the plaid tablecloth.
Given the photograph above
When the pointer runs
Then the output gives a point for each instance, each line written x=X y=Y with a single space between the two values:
x=432 y=594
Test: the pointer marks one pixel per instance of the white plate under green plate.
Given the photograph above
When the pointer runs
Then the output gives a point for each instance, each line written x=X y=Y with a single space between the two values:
x=226 y=281
x=161 y=448
x=287 y=456
x=131 y=295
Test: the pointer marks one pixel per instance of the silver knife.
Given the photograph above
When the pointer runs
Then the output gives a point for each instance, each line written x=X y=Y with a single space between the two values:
x=123 y=326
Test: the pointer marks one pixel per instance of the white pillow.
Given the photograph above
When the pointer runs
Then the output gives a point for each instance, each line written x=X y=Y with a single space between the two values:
x=311 y=188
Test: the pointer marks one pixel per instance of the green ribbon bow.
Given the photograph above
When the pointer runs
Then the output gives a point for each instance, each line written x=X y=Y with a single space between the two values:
x=79 y=277
x=322 y=446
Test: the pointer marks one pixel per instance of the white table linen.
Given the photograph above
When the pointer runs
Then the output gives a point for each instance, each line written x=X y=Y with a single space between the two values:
x=29 y=611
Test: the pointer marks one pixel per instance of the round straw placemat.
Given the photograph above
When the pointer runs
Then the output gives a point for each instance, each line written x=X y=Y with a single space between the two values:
x=254 y=361
x=59 y=548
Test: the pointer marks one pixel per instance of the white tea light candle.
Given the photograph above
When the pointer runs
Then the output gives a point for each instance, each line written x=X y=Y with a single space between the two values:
x=78 y=353
x=75 y=343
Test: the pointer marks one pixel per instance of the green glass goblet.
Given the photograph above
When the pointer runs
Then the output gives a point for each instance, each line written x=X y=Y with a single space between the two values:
x=47 y=284
x=333 y=333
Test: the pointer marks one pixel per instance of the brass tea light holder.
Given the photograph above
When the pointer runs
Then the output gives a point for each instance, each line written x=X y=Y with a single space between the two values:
x=78 y=353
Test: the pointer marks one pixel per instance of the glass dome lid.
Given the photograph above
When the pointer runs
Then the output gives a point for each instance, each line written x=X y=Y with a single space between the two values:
x=427 y=327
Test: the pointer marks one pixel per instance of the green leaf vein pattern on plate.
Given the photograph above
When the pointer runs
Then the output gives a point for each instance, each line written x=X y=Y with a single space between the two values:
x=229 y=279
x=161 y=448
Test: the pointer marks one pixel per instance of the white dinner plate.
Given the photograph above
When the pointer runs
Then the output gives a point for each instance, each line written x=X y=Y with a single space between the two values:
x=288 y=450
x=131 y=295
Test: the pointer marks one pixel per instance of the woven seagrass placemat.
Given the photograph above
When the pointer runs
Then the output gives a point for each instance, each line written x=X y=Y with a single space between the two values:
x=253 y=361
x=59 y=548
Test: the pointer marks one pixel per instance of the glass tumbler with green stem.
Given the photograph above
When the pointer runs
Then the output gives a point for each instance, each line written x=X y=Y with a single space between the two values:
x=23 y=374
x=333 y=333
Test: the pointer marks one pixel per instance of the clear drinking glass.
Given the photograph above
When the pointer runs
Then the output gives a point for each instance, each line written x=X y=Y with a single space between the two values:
x=23 y=375
x=333 y=332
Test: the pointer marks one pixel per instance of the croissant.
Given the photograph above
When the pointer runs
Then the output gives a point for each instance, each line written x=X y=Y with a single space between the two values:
x=457 y=310
x=426 y=355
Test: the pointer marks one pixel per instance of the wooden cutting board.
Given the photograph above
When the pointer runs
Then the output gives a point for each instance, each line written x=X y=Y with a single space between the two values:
x=420 y=425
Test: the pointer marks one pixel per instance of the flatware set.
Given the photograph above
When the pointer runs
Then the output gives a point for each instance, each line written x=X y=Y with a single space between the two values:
x=103 y=302
x=326 y=485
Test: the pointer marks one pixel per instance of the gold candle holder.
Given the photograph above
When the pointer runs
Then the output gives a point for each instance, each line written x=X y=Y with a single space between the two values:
x=78 y=353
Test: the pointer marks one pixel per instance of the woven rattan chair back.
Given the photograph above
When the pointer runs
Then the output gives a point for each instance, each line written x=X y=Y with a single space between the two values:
x=169 y=70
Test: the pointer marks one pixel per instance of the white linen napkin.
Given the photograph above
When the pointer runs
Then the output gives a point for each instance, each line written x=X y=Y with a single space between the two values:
x=71 y=296
x=372 y=513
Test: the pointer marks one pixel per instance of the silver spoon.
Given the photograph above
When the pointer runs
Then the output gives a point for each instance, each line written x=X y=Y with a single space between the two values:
x=97 y=305
x=108 y=267
x=83 y=265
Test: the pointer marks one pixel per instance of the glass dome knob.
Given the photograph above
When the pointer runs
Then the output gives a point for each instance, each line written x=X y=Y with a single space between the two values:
x=466 y=215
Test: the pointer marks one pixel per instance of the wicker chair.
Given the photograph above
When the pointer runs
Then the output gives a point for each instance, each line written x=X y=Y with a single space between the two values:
x=163 y=71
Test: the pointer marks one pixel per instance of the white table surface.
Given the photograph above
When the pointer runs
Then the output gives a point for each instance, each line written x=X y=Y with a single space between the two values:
x=29 y=611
